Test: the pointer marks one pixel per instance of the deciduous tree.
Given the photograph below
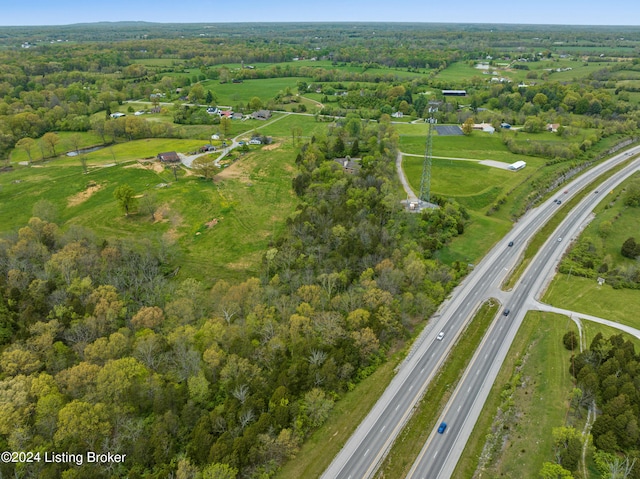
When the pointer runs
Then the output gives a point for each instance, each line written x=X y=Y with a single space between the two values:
x=27 y=145
x=125 y=196
x=467 y=126
x=51 y=140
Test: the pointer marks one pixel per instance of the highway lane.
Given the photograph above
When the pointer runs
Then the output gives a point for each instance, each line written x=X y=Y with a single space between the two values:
x=441 y=452
x=367 y=447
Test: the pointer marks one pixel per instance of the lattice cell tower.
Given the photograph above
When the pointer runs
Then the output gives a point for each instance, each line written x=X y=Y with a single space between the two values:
x=425 y=182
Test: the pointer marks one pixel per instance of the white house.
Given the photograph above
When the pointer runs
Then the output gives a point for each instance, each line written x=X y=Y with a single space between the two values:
x=518 y=165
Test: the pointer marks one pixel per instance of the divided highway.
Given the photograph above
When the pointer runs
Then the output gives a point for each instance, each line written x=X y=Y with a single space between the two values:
x=367 y=447
x=441 y=452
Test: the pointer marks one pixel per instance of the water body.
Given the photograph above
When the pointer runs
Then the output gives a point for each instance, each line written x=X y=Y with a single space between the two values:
x=85 y=150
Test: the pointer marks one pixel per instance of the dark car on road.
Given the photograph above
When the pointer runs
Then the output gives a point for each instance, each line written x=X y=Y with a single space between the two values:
x=442 y=427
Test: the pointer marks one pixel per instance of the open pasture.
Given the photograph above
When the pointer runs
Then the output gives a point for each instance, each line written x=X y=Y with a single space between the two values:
x=232 y=94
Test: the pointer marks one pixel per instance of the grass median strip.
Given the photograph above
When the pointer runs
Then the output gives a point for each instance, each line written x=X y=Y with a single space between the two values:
x=410 y=442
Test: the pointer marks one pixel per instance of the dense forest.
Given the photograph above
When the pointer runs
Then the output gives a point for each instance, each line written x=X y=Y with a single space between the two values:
x=606 y=375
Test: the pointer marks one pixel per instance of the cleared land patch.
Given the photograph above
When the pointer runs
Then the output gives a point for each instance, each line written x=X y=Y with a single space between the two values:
x=84 y=195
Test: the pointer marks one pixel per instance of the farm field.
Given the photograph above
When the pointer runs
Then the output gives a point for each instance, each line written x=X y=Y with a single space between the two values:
x=232 y=94
x=249 y=202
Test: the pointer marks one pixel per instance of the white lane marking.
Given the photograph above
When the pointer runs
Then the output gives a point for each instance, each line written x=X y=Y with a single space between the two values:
x=383 y=428
x=366 y=452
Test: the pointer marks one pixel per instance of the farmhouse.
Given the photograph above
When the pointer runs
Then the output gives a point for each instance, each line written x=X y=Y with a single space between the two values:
x=261 y=115
x=552 y=127
x=169 y=157
x=349 y=165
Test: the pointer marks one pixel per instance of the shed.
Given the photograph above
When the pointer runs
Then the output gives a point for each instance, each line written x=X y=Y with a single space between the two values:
x=454 y=92
x=169 y=157
x=518 y=165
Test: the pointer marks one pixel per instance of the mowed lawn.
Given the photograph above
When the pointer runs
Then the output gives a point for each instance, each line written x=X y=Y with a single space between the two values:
x=230 y=94
x=283 y=127
x=585 y=296
x=462 y=180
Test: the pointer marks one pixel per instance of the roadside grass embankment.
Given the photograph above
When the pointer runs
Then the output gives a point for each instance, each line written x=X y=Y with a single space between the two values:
x=530 y=396
x=545 y=232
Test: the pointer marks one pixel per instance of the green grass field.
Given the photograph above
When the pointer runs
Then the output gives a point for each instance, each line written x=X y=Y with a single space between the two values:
x=584 y=295
x=250 y=200
x=540 y=402
x=462 y=71
x=470 y=183
x=624 y=221
x=86 y=139
x=480 y=234
x=477 y=146
x=282 y=128
x=231 y=94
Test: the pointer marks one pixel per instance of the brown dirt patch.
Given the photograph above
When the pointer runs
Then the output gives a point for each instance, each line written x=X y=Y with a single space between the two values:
x=234 y=170
x=272 y=146
x=83 y=195
x=171 y=236
x=147 y=165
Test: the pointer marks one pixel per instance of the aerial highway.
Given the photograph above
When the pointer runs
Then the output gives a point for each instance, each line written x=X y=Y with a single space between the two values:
x=441 y=452
x=366 y=448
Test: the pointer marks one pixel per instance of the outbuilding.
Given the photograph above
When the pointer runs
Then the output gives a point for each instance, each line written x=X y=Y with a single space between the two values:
x=518 y=165
x=169 y=157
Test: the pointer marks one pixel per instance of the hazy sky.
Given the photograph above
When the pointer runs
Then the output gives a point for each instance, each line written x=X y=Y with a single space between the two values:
x=569 y=12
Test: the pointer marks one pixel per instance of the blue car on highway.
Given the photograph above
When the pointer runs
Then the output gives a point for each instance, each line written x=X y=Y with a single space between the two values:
x=442 y=427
